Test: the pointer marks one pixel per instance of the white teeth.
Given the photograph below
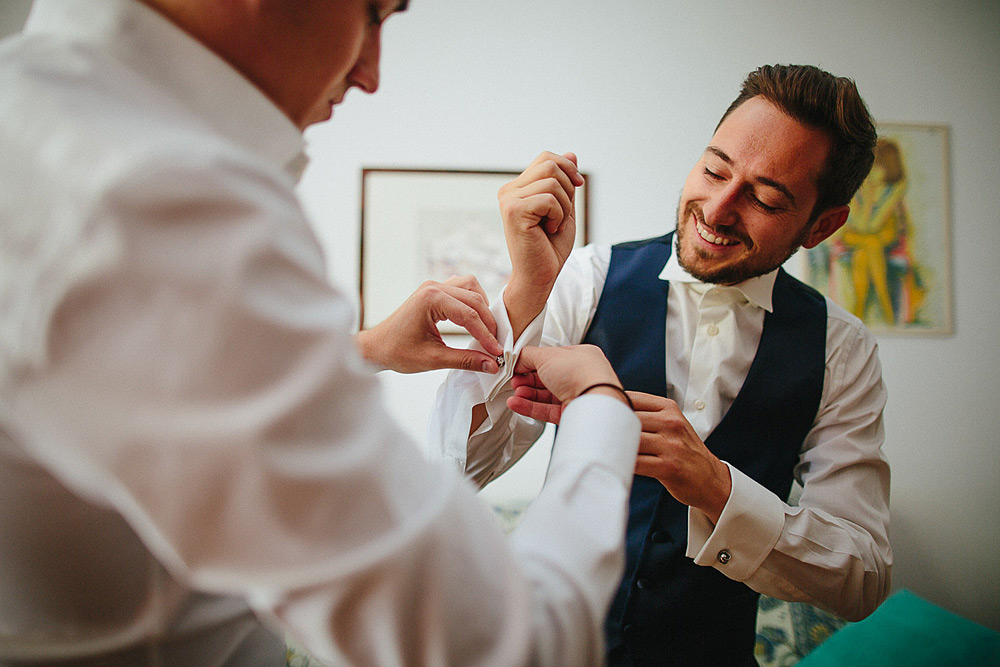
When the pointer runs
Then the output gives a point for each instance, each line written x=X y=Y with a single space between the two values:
x=709 y=236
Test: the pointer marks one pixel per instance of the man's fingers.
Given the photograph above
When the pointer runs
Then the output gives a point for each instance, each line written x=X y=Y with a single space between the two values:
x=646 y=465
x=650 y=443
x=466 y=360
x=551 y=173
x=469 y=311
x=526 y=380
x=536 y=394
x=646 y=402
x=528 y=212
x=545 y=179
x=567 y=163
x=469 y=292
x=577 y=177
x=547 y=412
x=530 y=359
x=540 y=195
x=470 y=283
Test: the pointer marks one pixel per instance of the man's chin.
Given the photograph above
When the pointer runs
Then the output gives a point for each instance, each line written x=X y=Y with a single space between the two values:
x=719 y=273
x=700 y=263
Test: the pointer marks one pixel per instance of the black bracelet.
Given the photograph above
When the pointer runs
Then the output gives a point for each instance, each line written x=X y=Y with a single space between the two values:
x=613 y=386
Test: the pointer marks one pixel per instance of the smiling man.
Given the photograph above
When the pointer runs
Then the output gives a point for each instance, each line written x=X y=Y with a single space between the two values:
x=195 y=459
x=744 y=379
x=747 y=205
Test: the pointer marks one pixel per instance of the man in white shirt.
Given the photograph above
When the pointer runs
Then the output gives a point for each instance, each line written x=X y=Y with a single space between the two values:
x=744 y=378
x=194 y=456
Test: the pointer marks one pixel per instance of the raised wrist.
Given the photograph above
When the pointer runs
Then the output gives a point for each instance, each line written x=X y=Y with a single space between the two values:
x=367 y=347
x=523 y=305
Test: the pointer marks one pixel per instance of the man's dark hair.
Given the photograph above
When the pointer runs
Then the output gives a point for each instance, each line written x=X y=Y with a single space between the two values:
x=827 y=103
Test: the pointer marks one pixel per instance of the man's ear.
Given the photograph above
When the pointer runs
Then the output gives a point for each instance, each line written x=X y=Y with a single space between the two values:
x=829 y=221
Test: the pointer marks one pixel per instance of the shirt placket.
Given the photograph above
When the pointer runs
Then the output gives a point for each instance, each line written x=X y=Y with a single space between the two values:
x=712 y=340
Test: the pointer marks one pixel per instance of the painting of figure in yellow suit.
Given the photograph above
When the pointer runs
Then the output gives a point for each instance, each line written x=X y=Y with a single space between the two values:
x=889 y=263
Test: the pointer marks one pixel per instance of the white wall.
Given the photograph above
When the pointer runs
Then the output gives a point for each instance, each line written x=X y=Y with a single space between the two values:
x=636 y=88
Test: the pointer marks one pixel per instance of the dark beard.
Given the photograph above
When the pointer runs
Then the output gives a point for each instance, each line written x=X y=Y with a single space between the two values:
x=729 y=275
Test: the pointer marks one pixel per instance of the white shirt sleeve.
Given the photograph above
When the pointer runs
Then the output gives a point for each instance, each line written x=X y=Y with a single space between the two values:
x=504 y=437
x=198 y=377
x=831 y=549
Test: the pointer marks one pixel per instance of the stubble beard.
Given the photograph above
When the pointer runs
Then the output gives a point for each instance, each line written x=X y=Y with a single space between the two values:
x=732 y=274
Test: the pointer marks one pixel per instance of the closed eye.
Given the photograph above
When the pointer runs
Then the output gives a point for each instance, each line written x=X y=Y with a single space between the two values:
x=762 y=206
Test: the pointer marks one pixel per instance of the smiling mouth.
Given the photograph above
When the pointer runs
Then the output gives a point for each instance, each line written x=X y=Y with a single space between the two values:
x=704 y=233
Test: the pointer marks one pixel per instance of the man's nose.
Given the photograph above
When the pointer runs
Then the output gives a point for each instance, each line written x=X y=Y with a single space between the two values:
x=722 y=207
x=365 y=74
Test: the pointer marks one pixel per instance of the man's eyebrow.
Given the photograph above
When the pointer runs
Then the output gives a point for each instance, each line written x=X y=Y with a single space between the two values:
x=764 y=180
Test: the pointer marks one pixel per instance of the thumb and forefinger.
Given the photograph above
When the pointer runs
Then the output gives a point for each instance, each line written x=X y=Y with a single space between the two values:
x=466 y=360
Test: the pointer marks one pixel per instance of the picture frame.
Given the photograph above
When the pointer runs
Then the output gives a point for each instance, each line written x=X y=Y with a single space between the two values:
x=890 y=264
x=430 y=224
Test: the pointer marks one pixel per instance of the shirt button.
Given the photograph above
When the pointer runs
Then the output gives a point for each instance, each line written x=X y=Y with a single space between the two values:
x=699 y=404
x=713 y=330
x=724 y=556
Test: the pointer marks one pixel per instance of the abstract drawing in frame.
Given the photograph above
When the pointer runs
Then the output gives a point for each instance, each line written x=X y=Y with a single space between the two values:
x=890 y=264
x=431 y=224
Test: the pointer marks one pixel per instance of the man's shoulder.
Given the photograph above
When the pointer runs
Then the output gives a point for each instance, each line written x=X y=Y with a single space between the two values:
x=836 y=314
x=86 y=94
x=840 y=319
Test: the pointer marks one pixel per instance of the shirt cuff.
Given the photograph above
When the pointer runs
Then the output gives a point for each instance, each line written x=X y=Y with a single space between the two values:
x=596 y=428
x=748 y=528
x=532 y=335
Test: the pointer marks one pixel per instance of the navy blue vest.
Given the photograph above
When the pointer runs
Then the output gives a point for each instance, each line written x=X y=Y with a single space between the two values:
x=669 y=610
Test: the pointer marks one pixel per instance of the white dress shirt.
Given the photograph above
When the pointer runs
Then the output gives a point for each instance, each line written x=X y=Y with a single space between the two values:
x=194 y=459
x=830 y=549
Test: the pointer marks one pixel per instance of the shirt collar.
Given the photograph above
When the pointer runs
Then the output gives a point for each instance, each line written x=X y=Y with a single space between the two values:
x=756 y=290
x=188 y=71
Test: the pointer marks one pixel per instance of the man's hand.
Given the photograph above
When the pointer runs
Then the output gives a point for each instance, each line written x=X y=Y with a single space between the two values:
x=539 y=221
x=533 y=400
x=670 y=451
x=547 y=378
x=408 y=340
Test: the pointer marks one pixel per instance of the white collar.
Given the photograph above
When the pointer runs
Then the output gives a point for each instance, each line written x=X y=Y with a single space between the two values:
x=158 y=50
x=756 y=290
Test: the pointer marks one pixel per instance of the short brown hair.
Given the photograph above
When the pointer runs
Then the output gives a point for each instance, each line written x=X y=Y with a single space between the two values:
x=827 y=103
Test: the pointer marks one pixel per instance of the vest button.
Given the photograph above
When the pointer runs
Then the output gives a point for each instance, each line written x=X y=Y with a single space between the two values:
x=627 y=630
x=642 y=583
x=660 y=536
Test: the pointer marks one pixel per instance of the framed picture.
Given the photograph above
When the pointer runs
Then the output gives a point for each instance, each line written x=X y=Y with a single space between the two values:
x=890 y=264
x=431 y=224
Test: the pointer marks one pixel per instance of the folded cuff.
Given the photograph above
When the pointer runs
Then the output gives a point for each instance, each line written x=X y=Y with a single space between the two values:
x=748 y=529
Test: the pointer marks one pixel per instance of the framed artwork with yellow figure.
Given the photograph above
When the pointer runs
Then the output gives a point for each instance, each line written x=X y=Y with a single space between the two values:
x=890 y=264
